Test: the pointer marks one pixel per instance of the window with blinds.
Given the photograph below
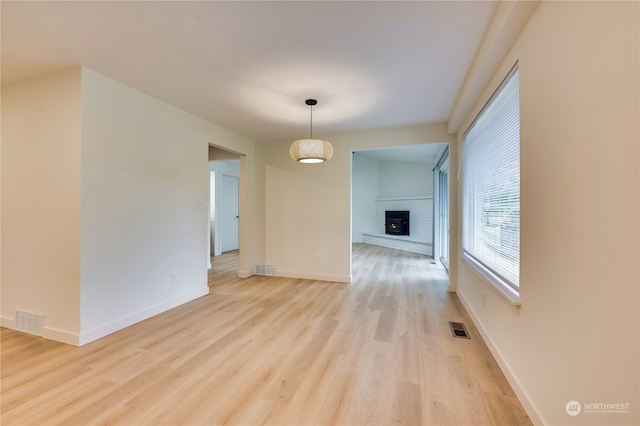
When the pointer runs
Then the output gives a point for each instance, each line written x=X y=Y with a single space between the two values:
x=491 y=187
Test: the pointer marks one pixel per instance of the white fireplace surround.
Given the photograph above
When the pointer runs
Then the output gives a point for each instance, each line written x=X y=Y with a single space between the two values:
x=421 y=217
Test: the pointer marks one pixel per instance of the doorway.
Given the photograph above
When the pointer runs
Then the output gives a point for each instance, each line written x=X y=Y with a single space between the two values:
x=395 y=179
x=223 y=165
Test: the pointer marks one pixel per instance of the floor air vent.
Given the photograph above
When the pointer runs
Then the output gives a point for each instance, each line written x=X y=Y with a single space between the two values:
x=29 y=323
x=458 y=330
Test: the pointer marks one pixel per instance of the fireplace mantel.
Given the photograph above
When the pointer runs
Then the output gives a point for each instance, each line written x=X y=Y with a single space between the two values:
x=429 y=197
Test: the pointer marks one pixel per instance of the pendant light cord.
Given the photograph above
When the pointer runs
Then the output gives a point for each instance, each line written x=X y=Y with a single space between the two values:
x=311 y=131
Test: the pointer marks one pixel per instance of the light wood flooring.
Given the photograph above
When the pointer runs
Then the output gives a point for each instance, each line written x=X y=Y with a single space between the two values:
x=279 y=351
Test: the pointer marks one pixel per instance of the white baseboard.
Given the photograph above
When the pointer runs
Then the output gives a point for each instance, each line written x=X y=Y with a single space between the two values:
x=47 y=333
x=102 y=331
x=8 y=323
x=317 y=277
x=245 y=274
x=61 y=336
x=515 y=385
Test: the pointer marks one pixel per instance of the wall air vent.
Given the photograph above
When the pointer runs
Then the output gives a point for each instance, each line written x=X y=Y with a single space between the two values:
x=458 y=330
x=29 y=323
x=265 y=270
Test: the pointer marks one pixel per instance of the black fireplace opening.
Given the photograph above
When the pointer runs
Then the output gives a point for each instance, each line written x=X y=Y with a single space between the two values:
x=396 y=222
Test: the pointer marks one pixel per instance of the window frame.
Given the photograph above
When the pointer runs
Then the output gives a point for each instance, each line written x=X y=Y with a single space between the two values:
x=503 y=287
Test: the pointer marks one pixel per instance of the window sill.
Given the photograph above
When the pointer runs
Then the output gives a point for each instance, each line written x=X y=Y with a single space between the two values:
x=502 y=290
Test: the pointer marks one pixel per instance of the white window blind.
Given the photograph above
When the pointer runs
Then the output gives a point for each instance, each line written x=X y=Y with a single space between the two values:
x=491 y=185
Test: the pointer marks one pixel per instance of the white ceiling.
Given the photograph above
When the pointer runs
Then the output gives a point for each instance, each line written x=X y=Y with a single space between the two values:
x=249 y=66
x=426 y=153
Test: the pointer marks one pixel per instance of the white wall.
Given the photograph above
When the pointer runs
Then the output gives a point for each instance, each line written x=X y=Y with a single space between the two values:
x=41 y=201
x=307 y=207
x=405 y=179
x=143 y=173
x=101 y=193
x=227 y=167
x=576 y=337
x=365 y=189
x=145 y=180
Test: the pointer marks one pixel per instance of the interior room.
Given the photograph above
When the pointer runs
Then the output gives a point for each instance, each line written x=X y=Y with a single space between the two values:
x=395 y=180
x=320 y=212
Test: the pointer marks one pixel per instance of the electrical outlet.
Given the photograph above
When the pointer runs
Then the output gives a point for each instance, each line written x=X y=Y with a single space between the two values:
x=199 y=205
x=317 y=258
x=174 y=277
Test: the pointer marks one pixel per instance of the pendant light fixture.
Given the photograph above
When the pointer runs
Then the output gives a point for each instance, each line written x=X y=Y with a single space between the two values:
x=311 y=150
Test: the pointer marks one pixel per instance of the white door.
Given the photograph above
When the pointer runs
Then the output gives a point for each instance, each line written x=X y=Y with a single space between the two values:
x=229 y=213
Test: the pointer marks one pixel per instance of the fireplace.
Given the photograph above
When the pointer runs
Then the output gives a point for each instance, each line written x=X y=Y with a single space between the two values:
x=396 y=222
